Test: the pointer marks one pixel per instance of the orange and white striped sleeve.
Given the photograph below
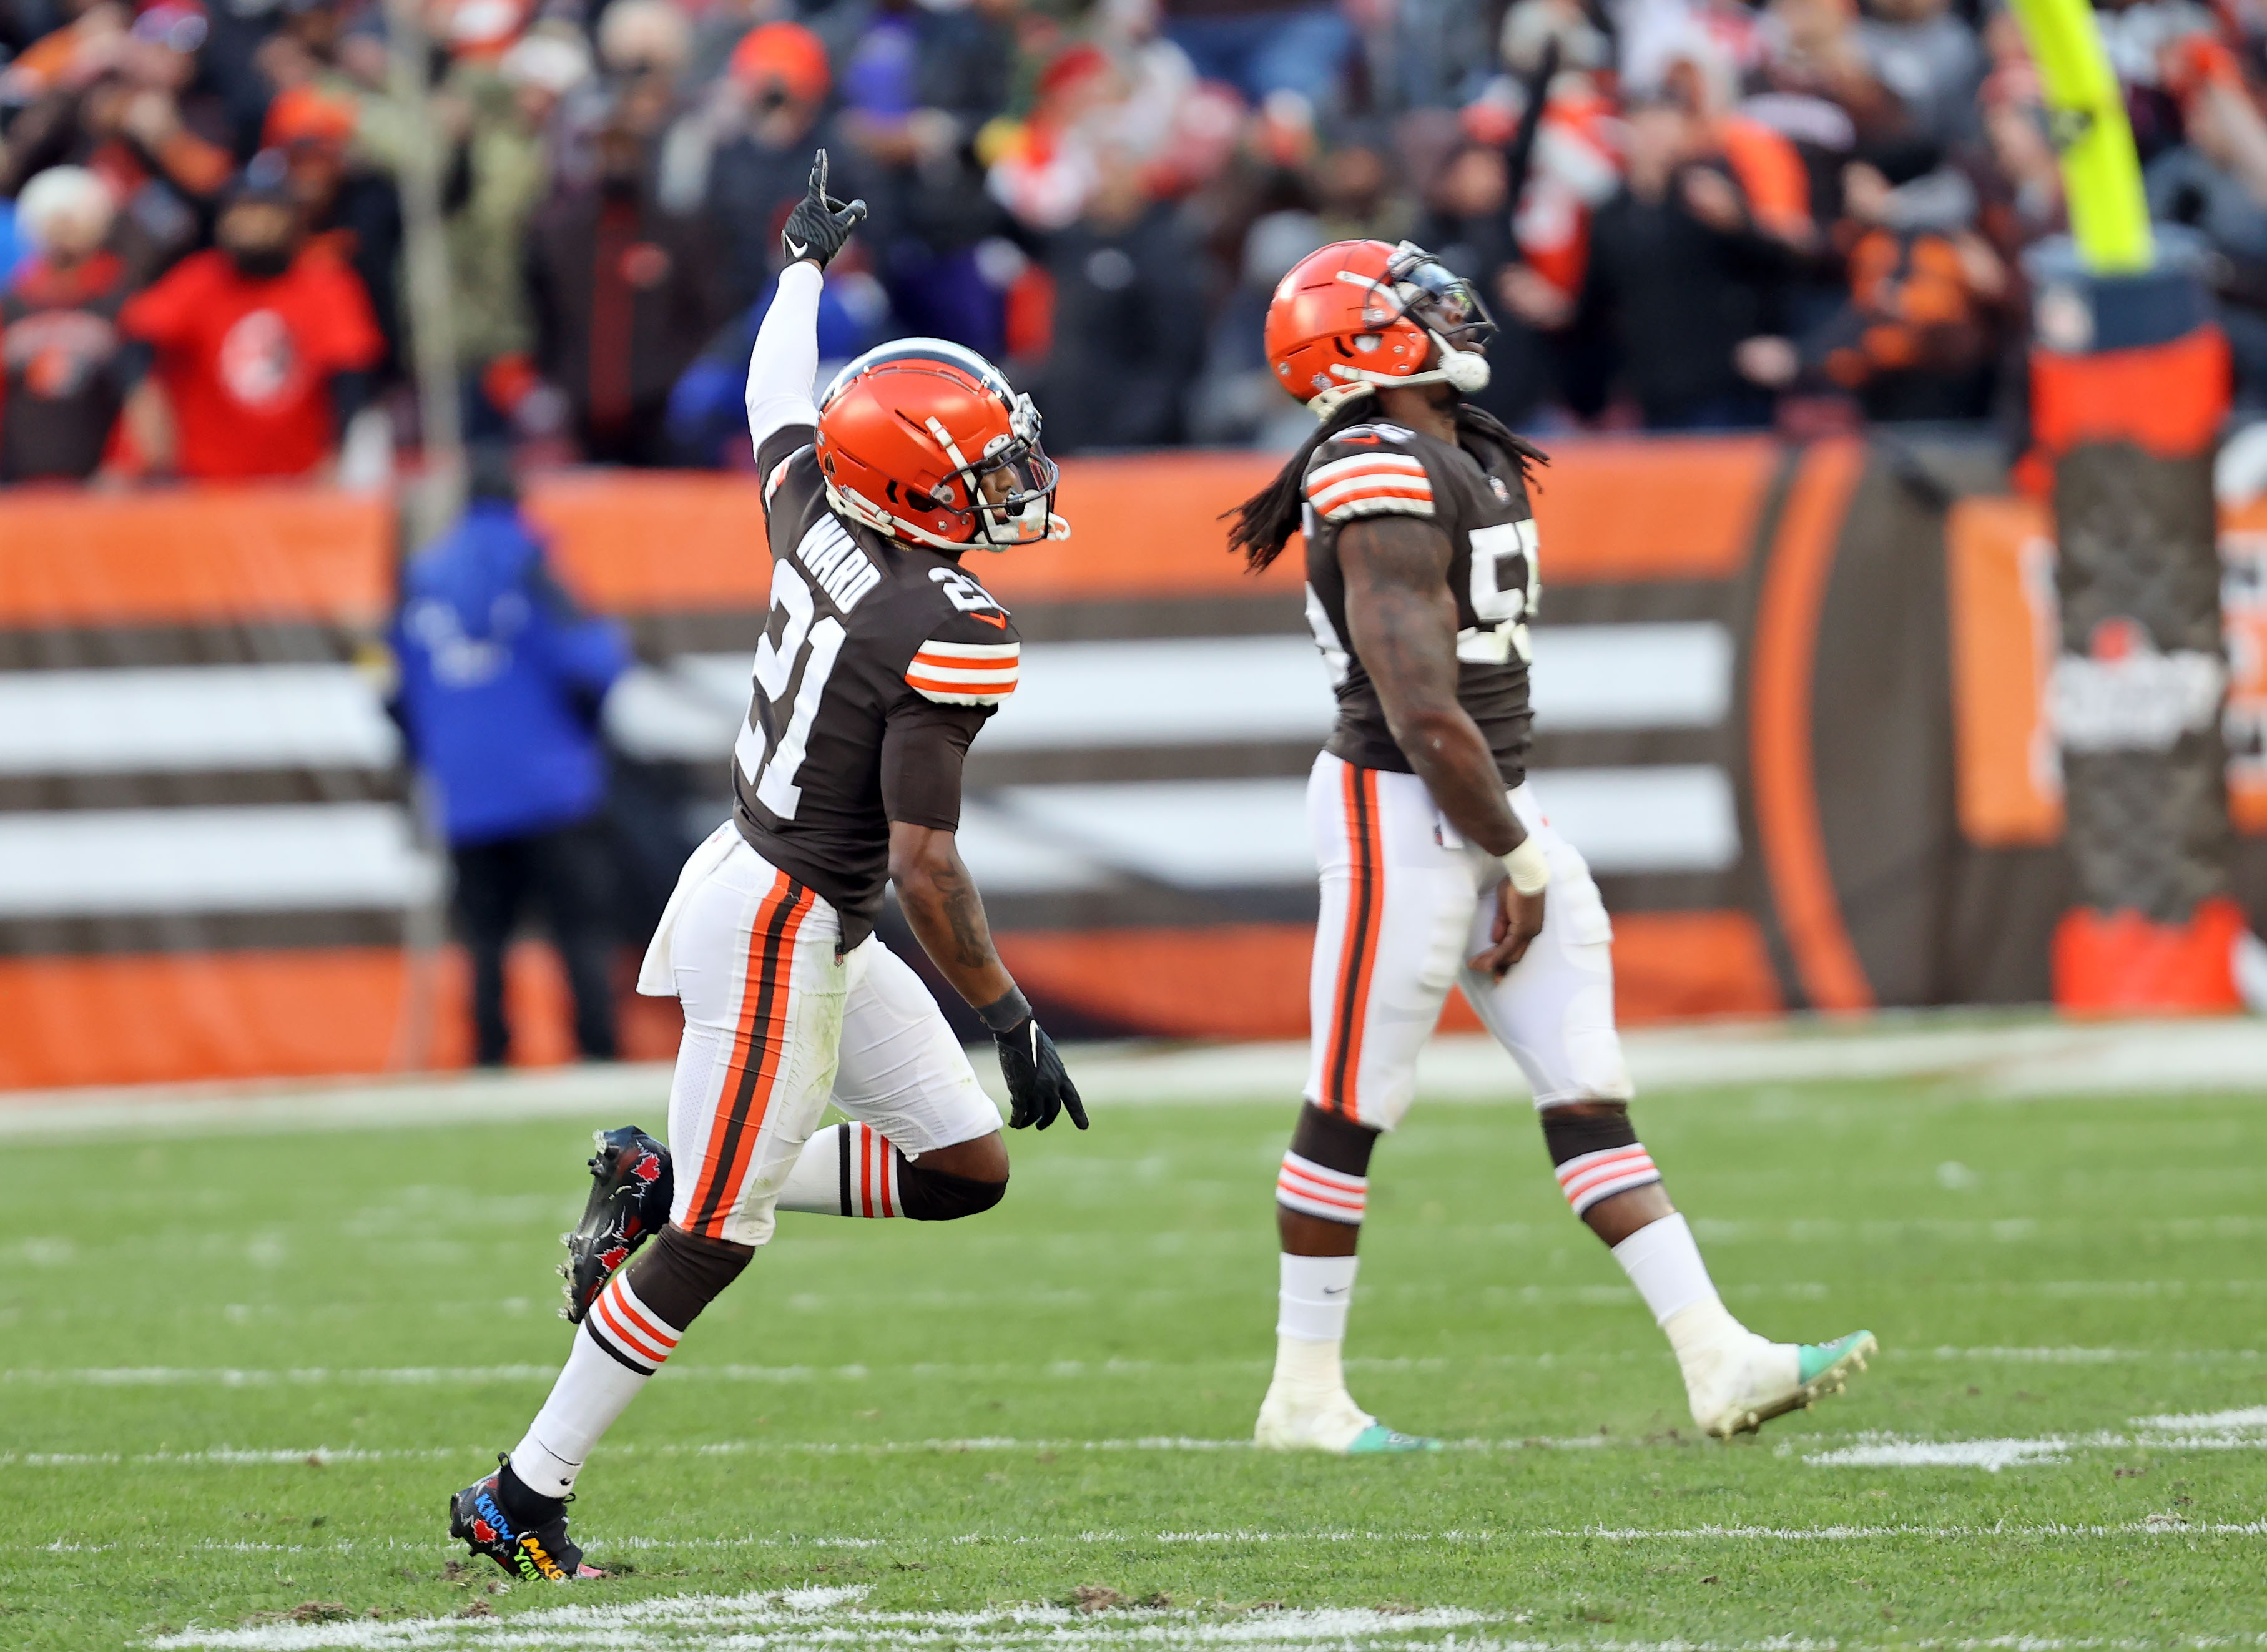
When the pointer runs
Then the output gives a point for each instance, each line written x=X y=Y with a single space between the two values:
x=964 y=673
x=1369 y=481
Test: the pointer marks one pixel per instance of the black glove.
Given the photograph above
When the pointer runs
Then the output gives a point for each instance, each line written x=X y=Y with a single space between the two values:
x=819 y=224
x=1037 y=1086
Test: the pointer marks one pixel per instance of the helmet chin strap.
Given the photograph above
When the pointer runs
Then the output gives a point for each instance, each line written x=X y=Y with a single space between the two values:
x=1465 y=372
x=860 y=508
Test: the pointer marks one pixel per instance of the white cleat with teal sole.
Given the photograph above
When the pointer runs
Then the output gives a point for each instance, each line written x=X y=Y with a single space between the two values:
x=1748 y=1384
x=1338 y=1427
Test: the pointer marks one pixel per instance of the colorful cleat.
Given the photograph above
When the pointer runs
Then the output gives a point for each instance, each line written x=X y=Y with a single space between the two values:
x=1819 y=1368
x=533 y=1553
x=631 y=1184
x=1377 y=1438
x=1335 y=1426
x=1826 y=1366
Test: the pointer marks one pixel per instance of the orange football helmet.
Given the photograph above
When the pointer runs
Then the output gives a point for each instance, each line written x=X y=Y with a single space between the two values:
x=1358 y=314
x=927 y=441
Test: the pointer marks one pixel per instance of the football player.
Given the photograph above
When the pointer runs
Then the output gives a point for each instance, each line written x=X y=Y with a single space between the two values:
x=1438 y=866
x=882 y=658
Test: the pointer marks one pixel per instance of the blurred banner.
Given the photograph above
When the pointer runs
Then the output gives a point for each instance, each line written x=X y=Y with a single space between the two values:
x=1792 y=704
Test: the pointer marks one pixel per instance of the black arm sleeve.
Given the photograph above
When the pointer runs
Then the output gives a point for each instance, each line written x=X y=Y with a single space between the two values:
x=923 y=747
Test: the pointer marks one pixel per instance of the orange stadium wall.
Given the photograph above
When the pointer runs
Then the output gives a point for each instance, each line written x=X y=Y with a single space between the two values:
x=1789 y=701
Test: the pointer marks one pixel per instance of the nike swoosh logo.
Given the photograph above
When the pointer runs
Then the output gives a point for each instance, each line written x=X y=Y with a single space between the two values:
x=1339 y=1291
x=1000 y=620
x=798 y=249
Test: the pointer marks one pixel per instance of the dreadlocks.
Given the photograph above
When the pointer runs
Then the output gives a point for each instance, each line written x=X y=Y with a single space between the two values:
x=1266 y=521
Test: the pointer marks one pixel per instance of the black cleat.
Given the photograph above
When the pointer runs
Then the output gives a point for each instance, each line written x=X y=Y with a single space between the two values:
x=533 y=1553
x=629 y=1203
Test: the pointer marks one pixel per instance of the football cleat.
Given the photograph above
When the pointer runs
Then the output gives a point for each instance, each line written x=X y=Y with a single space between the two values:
x=1339 y=1428
x=535 y=1553
x=1743 y=1393
x=631 y=1187
x=1378 y=1438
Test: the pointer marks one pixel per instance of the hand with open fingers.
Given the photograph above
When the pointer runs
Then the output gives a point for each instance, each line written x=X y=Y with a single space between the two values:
x=1037 y=1086
x=819 y=225
x=1518 y=920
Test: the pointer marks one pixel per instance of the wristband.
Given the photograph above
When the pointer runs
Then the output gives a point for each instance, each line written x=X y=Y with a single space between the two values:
x=1528 y=867
x=1007 y=1012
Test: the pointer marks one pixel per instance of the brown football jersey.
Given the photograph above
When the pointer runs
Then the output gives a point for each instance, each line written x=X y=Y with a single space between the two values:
x=878 y=663
x=1473 y=490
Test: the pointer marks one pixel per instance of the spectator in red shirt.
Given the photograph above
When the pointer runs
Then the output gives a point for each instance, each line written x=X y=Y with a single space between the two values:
x=263 y=343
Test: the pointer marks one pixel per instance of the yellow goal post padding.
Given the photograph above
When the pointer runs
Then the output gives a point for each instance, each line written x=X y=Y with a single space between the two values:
x=2101 y=172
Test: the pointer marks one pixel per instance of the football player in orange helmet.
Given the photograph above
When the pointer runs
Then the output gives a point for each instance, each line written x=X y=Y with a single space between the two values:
x=882 y=658
x=1438 y=864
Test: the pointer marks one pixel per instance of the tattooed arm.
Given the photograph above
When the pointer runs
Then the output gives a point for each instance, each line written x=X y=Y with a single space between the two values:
x=941 y=904
x=1402 y=623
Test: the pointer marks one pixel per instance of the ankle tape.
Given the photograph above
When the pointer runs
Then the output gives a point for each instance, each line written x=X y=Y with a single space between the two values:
x=1598 y=1155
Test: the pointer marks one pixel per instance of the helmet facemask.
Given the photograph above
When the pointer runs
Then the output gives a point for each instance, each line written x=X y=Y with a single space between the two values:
x=1419 y=289
x=1009 y=489
x=1442 y=302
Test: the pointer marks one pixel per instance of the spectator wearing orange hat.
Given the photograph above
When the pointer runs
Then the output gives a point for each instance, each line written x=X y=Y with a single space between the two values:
x=776 y=92
x=347 y=204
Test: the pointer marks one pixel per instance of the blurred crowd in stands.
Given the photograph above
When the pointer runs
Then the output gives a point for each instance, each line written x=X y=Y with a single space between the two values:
x=1812 y=211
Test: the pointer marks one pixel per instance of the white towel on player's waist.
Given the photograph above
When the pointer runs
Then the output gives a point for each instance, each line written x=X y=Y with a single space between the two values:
x=657 y=975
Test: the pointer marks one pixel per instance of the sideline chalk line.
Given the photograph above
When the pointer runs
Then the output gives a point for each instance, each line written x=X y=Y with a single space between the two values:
x=2001 y=1055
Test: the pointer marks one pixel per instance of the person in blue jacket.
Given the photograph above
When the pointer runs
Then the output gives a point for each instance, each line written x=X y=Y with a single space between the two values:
x=502 y=681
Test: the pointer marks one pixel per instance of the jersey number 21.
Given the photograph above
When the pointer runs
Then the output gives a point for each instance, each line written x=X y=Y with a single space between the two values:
x=815 y=647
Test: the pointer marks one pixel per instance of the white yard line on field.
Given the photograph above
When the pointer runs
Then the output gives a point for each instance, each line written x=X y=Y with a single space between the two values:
x=1068 y=1370
x=601 y=1543
x=2021 y=1056
x=839 y=1619
x=2239 y=1430
x=835 y=1617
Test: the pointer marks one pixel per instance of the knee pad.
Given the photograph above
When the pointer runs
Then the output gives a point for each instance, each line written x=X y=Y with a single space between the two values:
x=679 y=1274
x=933 y=1196
x=1326 y=1172
x=1597 y=1152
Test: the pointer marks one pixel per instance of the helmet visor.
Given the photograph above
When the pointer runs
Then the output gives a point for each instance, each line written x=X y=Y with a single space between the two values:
x=1013 y=491
x=1441 y=301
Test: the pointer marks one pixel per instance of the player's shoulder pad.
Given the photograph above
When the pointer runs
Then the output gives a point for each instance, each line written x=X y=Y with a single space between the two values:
x=1370 y=470
x=969 y=653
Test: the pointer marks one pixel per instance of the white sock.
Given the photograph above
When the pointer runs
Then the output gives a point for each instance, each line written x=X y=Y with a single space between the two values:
x=1663 y=1262
x=622 y=1344
x=1313 y=1297
x=1310 y=1329
x=845 y=1169
x=591 y=1391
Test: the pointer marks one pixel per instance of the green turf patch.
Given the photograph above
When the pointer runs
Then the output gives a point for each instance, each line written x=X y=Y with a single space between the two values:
x=241 y=1374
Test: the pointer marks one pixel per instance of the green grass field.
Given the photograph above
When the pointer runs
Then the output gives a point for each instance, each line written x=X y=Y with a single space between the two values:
x=243 y=1371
